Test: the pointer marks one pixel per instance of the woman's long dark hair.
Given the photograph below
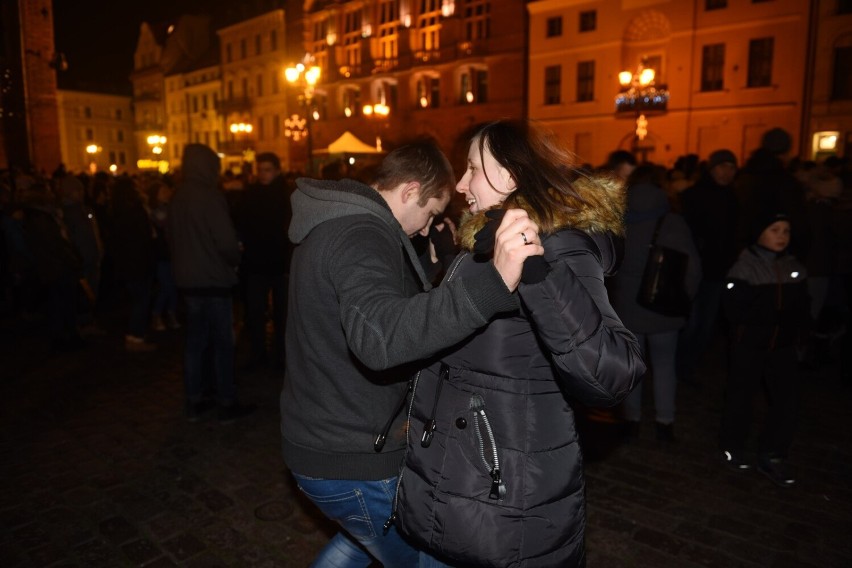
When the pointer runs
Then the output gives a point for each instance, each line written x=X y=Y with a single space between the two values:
x=541 y=168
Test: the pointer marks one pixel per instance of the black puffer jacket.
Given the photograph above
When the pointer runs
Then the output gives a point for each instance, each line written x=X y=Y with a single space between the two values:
x=498 y=482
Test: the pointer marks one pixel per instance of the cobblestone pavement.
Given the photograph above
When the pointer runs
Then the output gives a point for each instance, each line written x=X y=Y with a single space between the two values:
x=100 y=469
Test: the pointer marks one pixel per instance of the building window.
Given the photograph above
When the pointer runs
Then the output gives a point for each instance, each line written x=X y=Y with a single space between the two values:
x=760 y=62
x=589 y=21
x=841 y=87
x=351 y=102
x=554 y=26
x=206 y=138
x=204 y=101
x=228 y=53
x=428 y=25
x=245 y=87
x=553 y=85
x=713 y=67
x=87 y=112
x=261 y=121
x=477 y=19
x=428 y=92
x=259 y=85
x=585 y=81
x=112 y=156
x=121 y=158
x=90 y=135
x=276 y=126
x=118 y=114
x=120 y=135
x=243 y=51
x=473 y=87
x=273 y=40
x=194 y=103
x=230 y=89
x=257 y=44
x=275 y=82
x=715 y=4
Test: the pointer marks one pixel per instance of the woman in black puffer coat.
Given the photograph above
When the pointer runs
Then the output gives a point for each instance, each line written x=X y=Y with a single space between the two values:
x=493 y=475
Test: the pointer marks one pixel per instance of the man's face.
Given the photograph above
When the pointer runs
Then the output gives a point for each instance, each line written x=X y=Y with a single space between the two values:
x=418 y=218
x=723 y=174
x=266 y=172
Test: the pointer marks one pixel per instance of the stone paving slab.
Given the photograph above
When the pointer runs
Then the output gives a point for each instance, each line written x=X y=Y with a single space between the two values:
x=101 y=470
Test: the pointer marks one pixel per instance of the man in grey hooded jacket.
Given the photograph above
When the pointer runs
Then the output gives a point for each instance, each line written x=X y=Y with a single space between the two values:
x=205 y=256
x=360 y=309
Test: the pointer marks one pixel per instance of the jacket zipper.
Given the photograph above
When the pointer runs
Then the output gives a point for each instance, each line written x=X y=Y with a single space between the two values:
x=498 y=487
x=389 y=523
x=429 y=426
x=379 y=443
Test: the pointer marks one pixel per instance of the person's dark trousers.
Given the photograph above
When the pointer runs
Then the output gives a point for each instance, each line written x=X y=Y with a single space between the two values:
x=140 y=305
x=258 y=287
x=753 y=371
x=209 y=323
x=699 y=329
x=61 y=311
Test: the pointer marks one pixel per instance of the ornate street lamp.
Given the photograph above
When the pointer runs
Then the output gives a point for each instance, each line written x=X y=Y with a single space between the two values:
x=378 y=111
x=304 y=76
x=640 y=96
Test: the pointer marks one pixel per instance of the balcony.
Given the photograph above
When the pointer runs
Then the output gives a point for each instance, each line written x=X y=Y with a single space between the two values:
x=233 y=104
x=426 y=57
x=385 y=65
x=233 y=147
x=349 y=71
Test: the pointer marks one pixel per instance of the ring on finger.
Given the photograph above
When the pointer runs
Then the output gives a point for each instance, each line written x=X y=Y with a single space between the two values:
x=523 y=236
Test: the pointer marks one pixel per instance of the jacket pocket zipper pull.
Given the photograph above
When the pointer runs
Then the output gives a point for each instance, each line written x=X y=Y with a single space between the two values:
x=428 y=433
x=498 y=488
x=389 y=523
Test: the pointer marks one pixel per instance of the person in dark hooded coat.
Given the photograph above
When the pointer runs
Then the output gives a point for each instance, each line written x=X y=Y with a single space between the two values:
x=493 y=474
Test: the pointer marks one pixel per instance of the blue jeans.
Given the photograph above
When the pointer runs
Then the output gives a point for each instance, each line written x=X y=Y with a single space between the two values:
x=166 y=300
x=660 y=349
x=209 y=329
x=140 y=305
x=361 y=509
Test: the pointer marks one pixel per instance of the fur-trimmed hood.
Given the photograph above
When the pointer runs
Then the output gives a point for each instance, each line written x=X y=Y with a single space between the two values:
x=603 y=212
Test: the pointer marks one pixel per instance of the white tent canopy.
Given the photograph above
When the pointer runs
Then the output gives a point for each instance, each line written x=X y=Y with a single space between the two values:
x=348 y=143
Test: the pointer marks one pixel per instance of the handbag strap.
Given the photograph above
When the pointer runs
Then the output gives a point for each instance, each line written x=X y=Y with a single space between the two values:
x=657 y=229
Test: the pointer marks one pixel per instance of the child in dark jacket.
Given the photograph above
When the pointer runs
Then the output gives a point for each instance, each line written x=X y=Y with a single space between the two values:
x=766 y=302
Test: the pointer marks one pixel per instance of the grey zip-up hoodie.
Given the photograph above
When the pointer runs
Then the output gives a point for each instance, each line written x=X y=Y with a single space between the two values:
x=359 y=309
x=205 y=250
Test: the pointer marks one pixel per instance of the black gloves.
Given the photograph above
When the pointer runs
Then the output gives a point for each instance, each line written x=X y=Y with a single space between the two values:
x=484 y=239
x=443 y=242
x=535 y=267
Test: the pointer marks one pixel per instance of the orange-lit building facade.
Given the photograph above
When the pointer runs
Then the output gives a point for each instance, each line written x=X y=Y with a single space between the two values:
x=733 y=69
x=436 y=67
x=96 y=131
x=828 y=124
x=253 y=105
x=191 y=101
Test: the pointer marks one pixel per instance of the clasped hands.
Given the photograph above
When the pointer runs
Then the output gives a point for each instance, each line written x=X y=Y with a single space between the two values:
x=516 y=243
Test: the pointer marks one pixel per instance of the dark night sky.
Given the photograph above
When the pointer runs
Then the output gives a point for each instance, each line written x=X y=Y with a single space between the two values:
x=98 y=37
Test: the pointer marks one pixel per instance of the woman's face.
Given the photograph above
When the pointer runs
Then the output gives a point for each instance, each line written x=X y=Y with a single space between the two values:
x=481 y=192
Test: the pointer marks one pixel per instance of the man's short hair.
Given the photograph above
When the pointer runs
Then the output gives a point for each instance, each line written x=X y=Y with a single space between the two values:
x=269 y=157
x=420 y=161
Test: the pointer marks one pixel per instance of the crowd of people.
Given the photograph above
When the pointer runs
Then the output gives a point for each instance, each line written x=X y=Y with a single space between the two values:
x=433 y=361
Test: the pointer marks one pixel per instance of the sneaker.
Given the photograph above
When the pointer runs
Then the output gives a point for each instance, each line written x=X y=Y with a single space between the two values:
x=194 y=411
x=232 y=413
x=665 y=433
x=777 y=470
x=734 y=460
x=158 y=324
x=138 y=344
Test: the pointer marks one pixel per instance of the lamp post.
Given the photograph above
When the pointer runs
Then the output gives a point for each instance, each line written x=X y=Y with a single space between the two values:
x=378 y=111
x=92 y=150
x=304 y=76
x=640 y=96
